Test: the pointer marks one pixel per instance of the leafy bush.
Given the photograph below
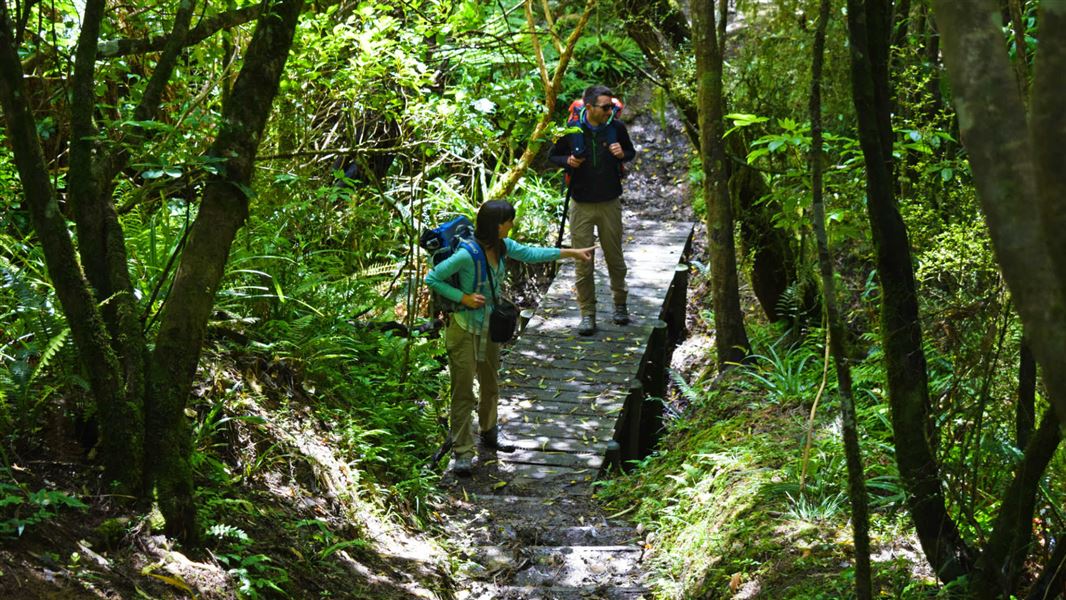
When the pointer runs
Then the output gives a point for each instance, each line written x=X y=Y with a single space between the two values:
x=21 y=508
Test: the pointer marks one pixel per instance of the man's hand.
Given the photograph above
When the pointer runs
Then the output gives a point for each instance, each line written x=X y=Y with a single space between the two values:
x=616 y=150
x=473 y=300
x=575 y=162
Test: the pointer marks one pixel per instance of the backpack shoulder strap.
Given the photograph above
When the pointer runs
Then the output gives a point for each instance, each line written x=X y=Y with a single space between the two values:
x=481 y=263
x=611 y=132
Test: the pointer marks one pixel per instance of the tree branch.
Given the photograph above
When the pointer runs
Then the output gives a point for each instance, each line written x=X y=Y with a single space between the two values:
x=506 y=184
x=205 y=29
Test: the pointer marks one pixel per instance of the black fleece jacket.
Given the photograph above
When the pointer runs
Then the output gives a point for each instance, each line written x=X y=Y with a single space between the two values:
x=599 y=178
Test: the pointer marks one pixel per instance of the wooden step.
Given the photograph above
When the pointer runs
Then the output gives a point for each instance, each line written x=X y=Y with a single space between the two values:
x=565 y=566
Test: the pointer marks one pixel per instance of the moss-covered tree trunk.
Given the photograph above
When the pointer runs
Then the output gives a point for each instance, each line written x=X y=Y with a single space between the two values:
x=773 y=258
x=117 y=411
x=222 y=212
x=908 y=391
x=860 y=517
x=731 y=340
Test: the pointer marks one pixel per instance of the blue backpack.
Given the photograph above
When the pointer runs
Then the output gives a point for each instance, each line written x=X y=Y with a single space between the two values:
x=441 y=242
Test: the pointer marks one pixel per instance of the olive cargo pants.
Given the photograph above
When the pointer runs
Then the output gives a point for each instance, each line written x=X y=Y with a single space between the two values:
x=587 y=221
x=463 y=366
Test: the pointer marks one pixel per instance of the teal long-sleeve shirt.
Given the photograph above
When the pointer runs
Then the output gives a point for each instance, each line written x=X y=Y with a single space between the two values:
x=462 y=262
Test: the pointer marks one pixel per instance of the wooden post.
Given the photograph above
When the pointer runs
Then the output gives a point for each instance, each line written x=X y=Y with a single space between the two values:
x=523 y=319
x=677 y=303
x=627 y=428
x=612 y=460
x=656 y=357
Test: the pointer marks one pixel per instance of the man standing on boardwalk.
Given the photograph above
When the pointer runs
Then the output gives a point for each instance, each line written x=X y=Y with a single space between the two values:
x=593 y=158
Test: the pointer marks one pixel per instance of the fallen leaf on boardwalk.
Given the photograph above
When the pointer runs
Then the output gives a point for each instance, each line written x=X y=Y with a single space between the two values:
x=499 y=484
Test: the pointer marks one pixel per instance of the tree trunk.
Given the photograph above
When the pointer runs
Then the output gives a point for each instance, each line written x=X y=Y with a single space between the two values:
x=1000 y=564
x=1020 y=179
x=102 y=248
x=222 y=212
x=552 y=85
x=117 y=412
x=868 y=27
x=1016 y=8
x=773 y=267
x=101 y=242
x=856 y=479
x=731 y=341
x=1021 y=209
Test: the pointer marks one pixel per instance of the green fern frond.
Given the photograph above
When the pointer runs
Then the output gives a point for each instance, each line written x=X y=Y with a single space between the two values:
x=377 y=269
x=688 y=391
x=53 y=347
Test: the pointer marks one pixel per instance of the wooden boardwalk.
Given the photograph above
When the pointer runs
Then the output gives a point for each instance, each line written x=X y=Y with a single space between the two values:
x=562 y=394
x=570 y=403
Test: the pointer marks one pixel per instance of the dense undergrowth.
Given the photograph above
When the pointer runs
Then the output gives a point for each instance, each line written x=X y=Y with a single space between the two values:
x=746 y=495
x=736 y=509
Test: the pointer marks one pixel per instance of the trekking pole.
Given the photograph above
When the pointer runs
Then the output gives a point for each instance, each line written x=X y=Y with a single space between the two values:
x=562 y=220
x=562 y=227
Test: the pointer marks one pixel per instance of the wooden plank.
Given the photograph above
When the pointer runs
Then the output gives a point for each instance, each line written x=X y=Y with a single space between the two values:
x=561 y=375
x=590 y=397
x=595 y=367
x=543 y=443
x=569 y=460
x=527 y=408
x=577 y=423
x=517 y=430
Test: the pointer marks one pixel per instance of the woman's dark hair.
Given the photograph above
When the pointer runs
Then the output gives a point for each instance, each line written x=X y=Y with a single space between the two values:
x=595 y=91
x=490 y=216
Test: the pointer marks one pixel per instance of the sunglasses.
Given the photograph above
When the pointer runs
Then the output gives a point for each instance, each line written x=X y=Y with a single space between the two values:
x=603 y=106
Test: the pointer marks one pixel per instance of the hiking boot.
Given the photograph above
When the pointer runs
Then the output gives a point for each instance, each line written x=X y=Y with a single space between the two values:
x=621 y=314
x=587 y=326
x=491 y=440
x=462 y=467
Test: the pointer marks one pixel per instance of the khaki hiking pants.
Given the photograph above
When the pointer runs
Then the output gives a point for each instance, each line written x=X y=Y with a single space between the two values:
x=587 y=221
x=463 y=366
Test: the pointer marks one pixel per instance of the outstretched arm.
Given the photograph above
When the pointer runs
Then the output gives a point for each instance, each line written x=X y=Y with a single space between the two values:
x=578 y=253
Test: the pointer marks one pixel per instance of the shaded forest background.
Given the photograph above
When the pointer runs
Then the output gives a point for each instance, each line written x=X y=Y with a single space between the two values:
x=215 y=344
